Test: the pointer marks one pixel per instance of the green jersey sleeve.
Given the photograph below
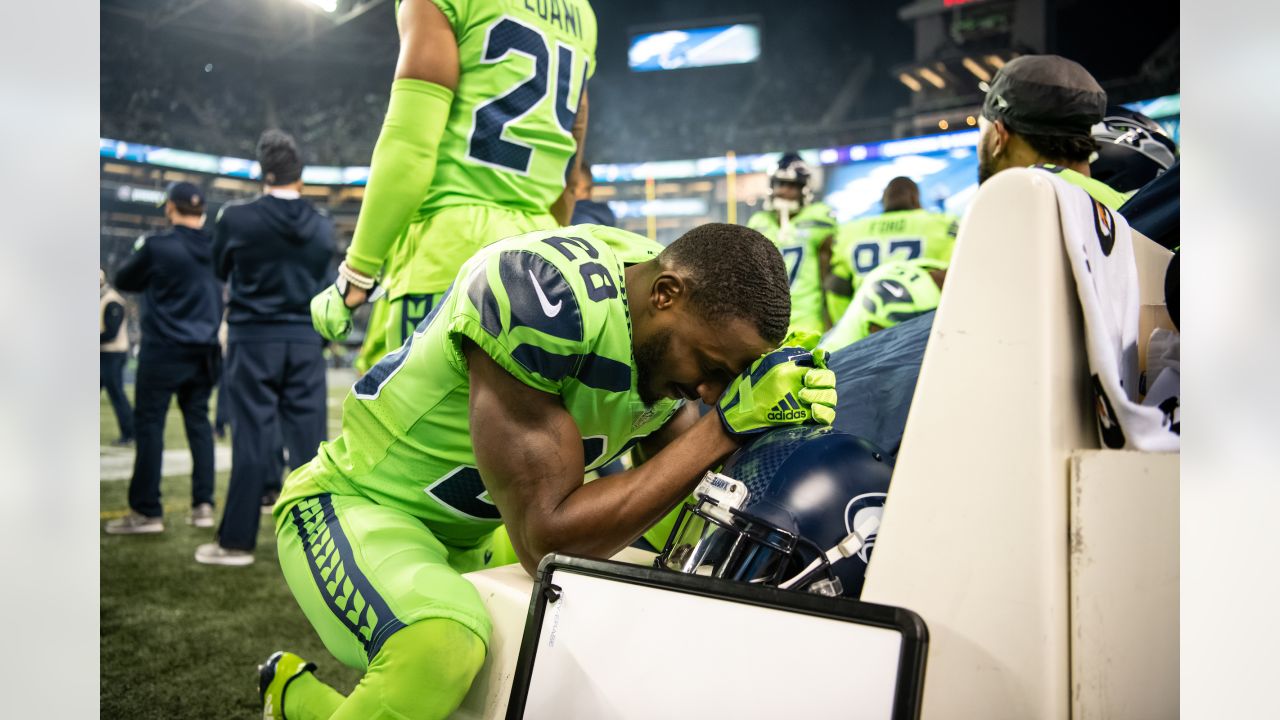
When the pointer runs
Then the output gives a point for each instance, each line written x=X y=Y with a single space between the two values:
x=522 y=308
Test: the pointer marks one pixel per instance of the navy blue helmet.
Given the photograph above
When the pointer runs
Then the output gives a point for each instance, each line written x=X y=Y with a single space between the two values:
x=791 y=170
x=797 y=509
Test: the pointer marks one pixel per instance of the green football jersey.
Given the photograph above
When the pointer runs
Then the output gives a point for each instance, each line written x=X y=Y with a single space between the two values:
x=863 y=244
x=523 y=66
x=799 y=242
x=550 y=307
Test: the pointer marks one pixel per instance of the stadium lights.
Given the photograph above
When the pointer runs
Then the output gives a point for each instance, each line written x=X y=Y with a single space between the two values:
x=325 y=5
x=910 y=82
x=996 y=61
x=978 y=71
x=932 y=78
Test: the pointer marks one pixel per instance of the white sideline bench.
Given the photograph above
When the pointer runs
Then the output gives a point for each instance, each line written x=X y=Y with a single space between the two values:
x=977 y=532
x=1045 y=569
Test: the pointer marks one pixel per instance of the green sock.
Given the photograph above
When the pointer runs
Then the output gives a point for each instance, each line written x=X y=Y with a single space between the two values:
x=307 y=698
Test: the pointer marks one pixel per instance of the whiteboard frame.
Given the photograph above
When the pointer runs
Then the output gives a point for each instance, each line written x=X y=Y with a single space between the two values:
x=914 y=632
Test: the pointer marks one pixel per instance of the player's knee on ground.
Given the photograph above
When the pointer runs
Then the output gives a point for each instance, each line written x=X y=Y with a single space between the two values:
x=423 y=670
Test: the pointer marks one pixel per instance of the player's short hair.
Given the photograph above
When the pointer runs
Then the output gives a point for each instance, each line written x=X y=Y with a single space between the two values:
x=734 y=272
x=1071 y=148
x=279 y=157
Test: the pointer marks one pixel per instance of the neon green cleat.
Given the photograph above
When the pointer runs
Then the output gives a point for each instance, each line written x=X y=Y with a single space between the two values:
x=274 y=677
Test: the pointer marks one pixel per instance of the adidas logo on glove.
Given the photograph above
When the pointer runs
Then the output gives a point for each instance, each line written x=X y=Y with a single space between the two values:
x=788 y=409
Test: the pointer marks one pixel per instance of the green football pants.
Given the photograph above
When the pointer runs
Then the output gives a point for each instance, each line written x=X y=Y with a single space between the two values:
x=386 y=597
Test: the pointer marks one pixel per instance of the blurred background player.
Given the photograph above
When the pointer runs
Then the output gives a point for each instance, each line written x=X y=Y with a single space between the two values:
x=181 y=311
x=1040 y=112
x=274 y=251
x=113 y=351
x=892 y=293
x=904 y=231
x=484 y=128
x=586 y=210
x=802 y=230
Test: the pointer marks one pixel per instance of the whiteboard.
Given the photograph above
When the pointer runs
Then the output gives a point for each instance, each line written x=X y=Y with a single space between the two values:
x=614 y=649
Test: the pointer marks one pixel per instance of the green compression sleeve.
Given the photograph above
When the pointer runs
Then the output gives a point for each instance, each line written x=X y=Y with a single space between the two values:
x=404 y=161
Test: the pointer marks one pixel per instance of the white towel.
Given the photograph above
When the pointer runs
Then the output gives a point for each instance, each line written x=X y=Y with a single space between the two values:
x=1100 y=249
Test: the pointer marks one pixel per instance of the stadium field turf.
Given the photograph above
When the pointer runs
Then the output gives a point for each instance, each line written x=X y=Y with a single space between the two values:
x=183 y=640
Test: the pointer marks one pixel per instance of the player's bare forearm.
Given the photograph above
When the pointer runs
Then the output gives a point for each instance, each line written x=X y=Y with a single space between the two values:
x=529 y=453
x=605 y=515
x=679 y=423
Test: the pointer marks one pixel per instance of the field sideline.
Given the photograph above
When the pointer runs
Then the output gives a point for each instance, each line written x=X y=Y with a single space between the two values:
x=182 y=640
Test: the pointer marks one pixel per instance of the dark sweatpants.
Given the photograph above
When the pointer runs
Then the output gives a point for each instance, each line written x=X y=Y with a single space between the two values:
x=277 y=394
x=111 y=379
x=190 y=372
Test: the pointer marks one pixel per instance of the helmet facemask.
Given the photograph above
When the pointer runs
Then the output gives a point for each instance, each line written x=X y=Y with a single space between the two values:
x=793 y=171
x=714 y=537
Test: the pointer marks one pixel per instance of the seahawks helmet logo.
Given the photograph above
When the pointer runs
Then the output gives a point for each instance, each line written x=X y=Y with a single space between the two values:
x=857 y=511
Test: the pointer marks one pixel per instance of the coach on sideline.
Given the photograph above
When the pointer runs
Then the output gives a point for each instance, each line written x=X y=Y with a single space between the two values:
x=276 y=249
x=181 y=309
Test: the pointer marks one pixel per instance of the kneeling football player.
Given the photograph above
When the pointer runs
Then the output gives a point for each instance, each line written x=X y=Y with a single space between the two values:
x=553 y=353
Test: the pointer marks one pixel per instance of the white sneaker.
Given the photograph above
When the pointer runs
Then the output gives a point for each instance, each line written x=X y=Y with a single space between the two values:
x=134 y=524
x=215 y=554
x=202 y=516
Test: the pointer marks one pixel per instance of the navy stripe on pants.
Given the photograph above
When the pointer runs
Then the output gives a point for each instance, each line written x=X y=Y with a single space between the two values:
x=277 y=397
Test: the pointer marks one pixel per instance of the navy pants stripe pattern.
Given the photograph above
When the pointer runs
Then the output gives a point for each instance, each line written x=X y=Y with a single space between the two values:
x=345 y=588
x=163 y=371
x=276 y=392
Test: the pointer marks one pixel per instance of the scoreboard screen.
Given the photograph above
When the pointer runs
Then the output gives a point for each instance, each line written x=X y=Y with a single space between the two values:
x=694 y=47
x=948 y=180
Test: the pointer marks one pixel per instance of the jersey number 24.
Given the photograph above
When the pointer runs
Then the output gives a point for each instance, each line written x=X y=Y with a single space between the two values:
x=504 y=37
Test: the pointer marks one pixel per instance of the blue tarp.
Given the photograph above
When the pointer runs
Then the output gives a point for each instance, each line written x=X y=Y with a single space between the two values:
x=875 y=379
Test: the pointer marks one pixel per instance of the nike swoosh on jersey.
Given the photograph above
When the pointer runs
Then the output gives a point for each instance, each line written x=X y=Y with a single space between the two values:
x=547 y=307
x=894 y=290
